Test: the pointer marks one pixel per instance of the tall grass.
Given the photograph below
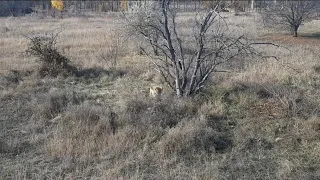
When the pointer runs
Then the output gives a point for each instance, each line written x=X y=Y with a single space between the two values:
x=260 y=120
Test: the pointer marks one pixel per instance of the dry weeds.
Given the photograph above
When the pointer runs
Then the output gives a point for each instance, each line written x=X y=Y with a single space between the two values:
x=259 y=121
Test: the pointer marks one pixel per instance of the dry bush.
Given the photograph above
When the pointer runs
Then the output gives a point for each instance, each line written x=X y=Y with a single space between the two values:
x=52 y=63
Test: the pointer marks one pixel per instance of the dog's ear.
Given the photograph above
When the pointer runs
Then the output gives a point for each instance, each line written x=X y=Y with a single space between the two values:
x=159 y=89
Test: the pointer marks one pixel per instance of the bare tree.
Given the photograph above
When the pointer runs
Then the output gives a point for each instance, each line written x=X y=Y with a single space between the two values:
x=186 y=71
x=290 y=14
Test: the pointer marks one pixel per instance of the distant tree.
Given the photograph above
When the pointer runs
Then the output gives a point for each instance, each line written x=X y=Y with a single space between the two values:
x=57 y=4
x=290 y=14
x=223 y=5
x=15 y=8
x=124 y=5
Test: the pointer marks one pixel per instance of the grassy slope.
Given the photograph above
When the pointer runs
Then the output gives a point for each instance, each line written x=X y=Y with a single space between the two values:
x=259 y=122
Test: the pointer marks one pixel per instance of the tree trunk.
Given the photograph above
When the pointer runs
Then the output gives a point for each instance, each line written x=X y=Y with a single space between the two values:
x=296 y=31
x=252 y=4
x=178 y=89
x=165 y=7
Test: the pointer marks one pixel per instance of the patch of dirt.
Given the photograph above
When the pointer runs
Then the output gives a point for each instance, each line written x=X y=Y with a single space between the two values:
x=268 y=108
x=302 y=39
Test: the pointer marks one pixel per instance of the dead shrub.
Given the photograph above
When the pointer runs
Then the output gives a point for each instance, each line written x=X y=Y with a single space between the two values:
x=52 y=63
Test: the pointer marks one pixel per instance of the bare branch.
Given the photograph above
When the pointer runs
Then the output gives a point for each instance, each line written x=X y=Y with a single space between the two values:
x=186 y=73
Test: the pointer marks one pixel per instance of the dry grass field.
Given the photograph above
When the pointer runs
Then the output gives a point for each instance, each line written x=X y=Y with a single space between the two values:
x=260 y=120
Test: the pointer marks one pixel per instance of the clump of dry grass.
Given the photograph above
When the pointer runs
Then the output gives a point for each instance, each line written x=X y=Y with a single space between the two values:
x=52 y=63
x=55 y=102
x=183 y=141
x=82 y=132
x=165 y=113
x=10 y=79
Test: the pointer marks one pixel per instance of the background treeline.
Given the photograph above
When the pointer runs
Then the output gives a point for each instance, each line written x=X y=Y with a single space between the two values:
x=20 y=7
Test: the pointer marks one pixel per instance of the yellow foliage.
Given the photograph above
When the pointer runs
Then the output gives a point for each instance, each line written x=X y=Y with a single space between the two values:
x=57 y=4
x=124 y=5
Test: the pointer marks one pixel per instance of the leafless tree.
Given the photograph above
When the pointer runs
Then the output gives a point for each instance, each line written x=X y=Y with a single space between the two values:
x=186 y=71
x=290 y=14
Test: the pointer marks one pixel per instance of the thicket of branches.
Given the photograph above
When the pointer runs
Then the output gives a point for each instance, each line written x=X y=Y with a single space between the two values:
x=52 y=62
x=186 y=71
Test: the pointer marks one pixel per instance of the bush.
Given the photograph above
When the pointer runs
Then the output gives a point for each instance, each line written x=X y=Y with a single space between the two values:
x=52 y=63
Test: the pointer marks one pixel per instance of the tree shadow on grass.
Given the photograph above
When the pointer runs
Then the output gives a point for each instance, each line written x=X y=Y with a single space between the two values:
x=311 y=35
x=92 y=73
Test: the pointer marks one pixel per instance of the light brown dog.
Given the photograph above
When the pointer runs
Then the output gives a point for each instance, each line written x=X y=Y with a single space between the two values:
x=156 y=91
